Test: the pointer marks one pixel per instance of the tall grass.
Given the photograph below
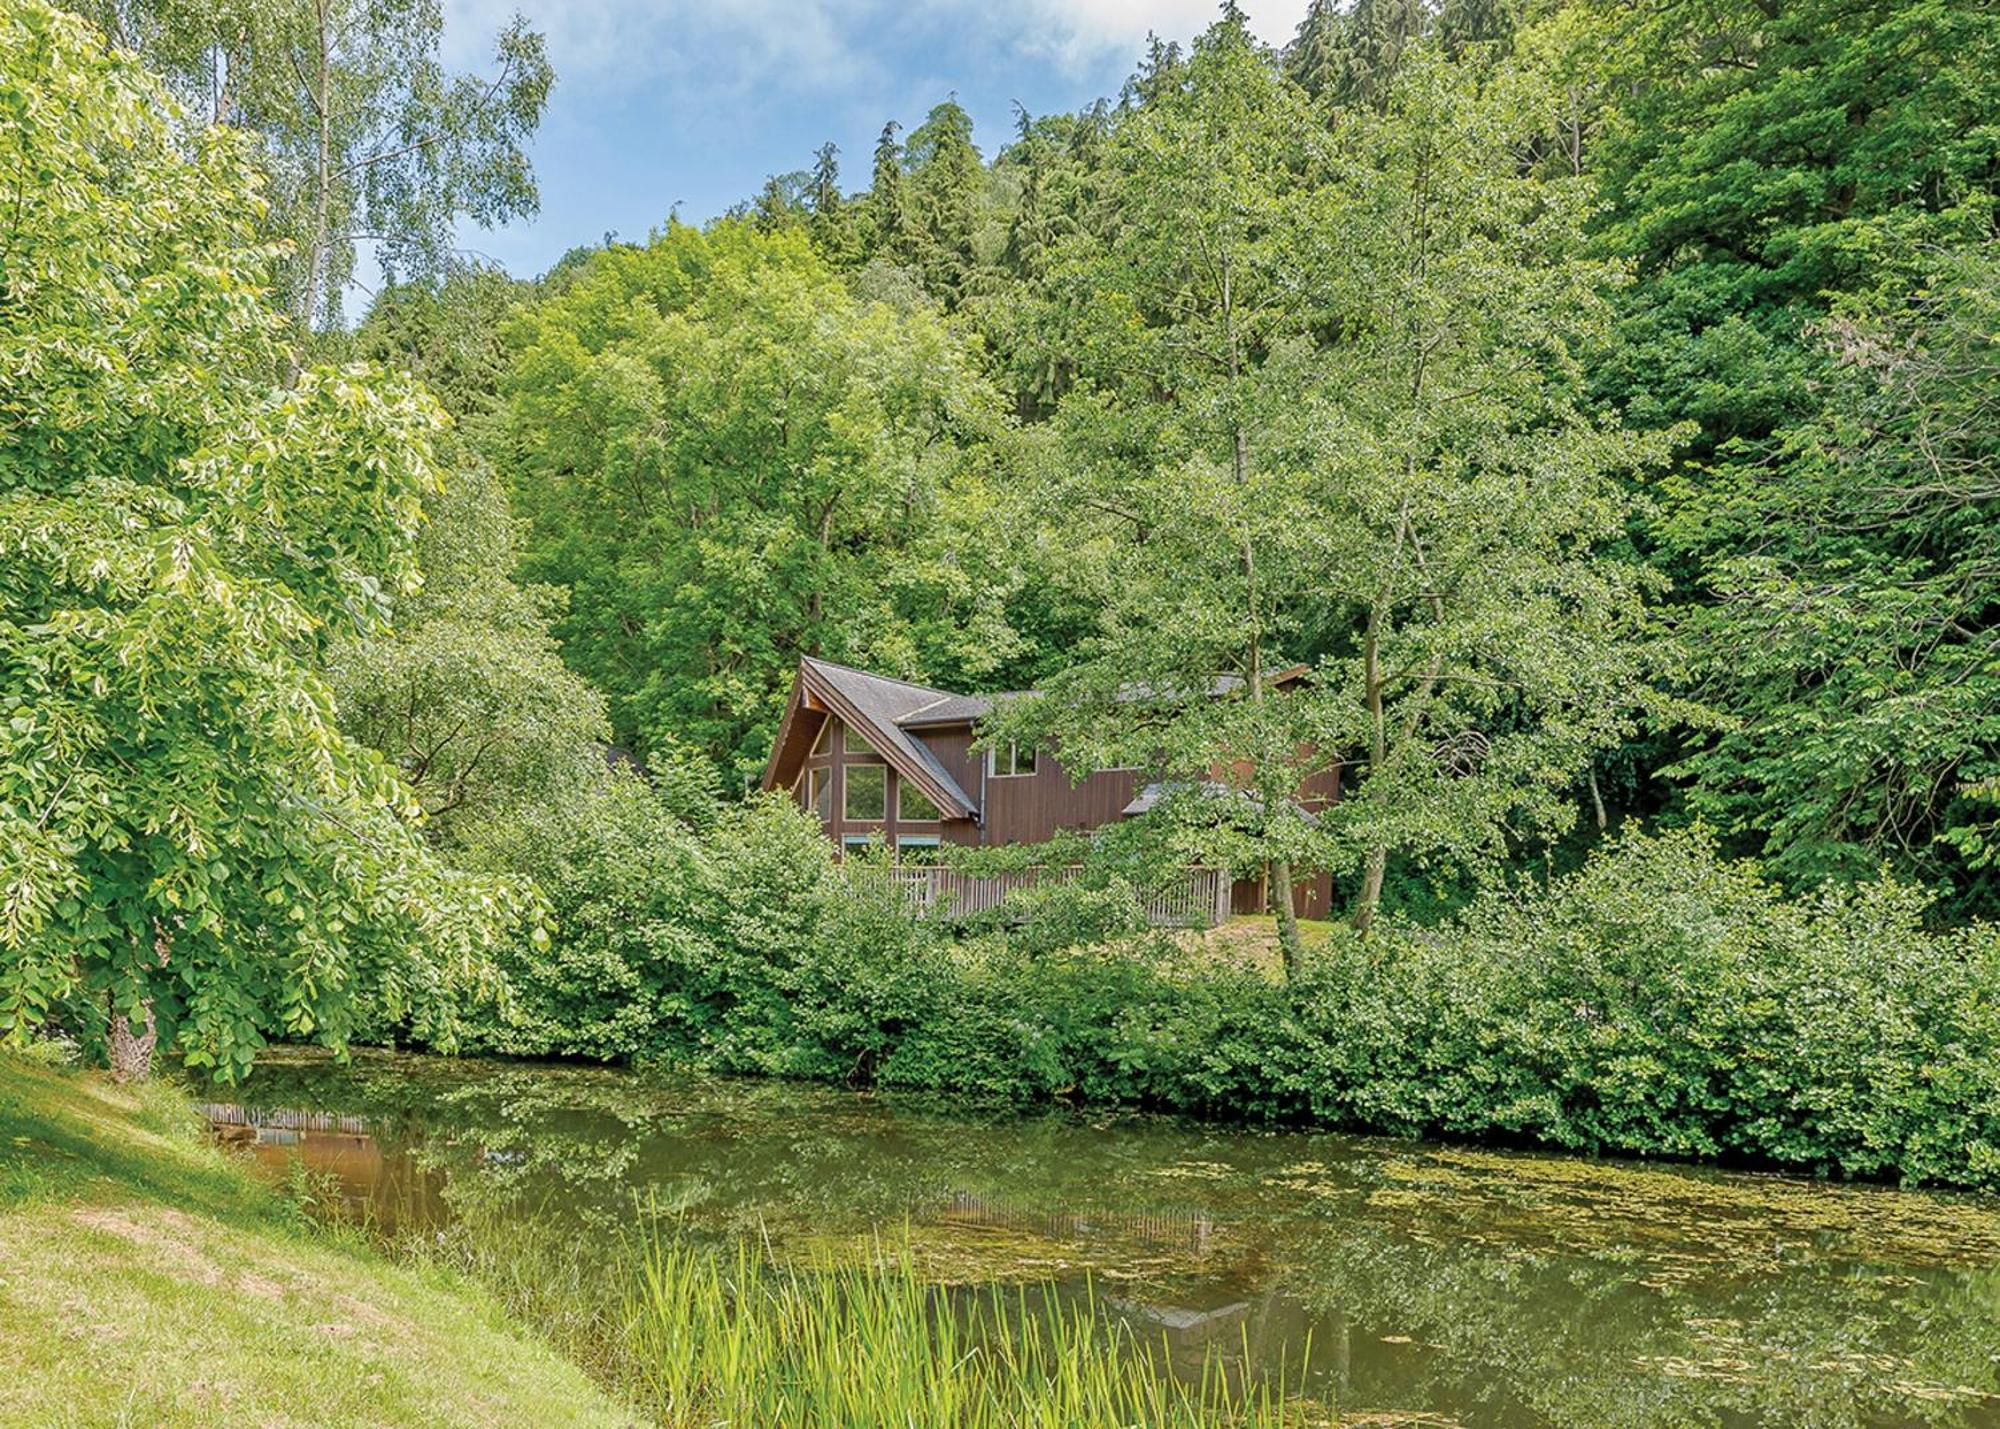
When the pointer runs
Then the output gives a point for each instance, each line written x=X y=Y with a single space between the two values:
x=698 y=1335
x=730 y=1338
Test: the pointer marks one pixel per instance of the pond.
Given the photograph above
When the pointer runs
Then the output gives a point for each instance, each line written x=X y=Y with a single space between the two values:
x=1422 y=1285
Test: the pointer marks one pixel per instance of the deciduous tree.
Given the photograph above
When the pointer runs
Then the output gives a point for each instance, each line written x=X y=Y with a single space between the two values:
x=185 y=834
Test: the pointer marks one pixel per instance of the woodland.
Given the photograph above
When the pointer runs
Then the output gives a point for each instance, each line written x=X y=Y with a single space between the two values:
x=1597 y=399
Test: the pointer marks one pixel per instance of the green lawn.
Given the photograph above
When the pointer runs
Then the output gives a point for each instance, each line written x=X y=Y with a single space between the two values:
x=146 y=1278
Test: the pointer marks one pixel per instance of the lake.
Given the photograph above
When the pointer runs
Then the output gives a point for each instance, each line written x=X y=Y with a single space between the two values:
x=1420 y=1284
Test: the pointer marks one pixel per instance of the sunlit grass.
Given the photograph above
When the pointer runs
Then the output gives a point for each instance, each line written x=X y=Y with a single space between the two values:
x=698 y=1334
x=734 y=1338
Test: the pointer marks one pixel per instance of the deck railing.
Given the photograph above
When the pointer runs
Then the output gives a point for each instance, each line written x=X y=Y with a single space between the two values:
x=1194 y=896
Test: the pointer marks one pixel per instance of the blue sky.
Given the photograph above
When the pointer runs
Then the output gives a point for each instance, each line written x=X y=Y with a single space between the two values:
x=659 y=102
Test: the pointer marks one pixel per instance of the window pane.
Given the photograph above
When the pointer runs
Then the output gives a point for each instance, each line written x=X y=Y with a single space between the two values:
x=821 y=787
x=920 y=852
x=852 y=741
x=867 y=791
x=912 y=803
x=1010 y=759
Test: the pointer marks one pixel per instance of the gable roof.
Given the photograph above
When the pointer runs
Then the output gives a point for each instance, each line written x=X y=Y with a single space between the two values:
x=886 y=709
x=877 y=706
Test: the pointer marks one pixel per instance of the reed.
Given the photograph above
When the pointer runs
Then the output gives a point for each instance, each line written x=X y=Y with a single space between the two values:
x=729 y=1337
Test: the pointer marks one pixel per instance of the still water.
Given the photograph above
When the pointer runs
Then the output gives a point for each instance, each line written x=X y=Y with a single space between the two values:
x=1423 y=1285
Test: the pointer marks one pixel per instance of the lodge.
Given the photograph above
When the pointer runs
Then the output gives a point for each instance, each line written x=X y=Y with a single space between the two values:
x=901 y=766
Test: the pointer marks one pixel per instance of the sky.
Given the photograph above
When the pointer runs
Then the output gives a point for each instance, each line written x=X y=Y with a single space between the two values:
x=692 y=103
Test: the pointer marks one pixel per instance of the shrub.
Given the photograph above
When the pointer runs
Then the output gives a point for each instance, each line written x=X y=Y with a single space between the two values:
x=1658 y=1001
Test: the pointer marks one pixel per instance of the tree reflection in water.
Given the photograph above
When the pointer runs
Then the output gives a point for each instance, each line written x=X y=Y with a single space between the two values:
x=1446 y=1283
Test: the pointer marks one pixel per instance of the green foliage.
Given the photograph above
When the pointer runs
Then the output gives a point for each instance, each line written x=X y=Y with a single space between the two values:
x=182 y=824
x=738 y=1339
x=466 y=692
x=730 y=461
x=741 y=948
x=1855 y=636
x=361 y=133
x=1659 y=1001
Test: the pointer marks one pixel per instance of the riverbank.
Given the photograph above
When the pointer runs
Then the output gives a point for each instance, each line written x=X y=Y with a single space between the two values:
x=147 y=1277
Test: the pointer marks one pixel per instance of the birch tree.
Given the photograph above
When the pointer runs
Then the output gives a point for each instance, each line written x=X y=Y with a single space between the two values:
x=365 y=138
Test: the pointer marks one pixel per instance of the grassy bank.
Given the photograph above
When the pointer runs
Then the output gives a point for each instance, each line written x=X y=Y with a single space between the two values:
x=146 y=1278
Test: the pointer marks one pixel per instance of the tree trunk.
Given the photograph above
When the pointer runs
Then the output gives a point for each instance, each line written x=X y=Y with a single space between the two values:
x=1371 y=889
x=308 y=299
x=1288 y=921
x=1378 y=755
x=131 y=1052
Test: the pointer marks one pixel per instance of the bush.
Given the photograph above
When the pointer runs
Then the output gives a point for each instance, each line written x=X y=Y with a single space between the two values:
x=737 y=947
x=1658 y=1001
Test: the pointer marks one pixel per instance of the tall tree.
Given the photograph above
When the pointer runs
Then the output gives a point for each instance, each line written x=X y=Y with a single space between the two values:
x=1857 y=585
x=888 y=201
x=363 y=135
x=466 y=691
x=1485 y=641
x=1765 y=166
x=730 y=461
x=1162 y=473
x=834 y=226
x=946 y=183
x=185 y=833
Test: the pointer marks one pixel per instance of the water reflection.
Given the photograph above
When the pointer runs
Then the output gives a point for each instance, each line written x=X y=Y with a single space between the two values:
x=1423 y=1284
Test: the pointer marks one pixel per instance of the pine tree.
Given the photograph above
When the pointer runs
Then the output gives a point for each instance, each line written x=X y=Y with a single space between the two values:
x=888 y=201
x=1316 y=57
x=833 y=220
x=945 y=179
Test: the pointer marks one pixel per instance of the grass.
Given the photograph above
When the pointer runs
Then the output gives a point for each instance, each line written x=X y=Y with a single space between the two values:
x=735 y=1339
x=147 y=1278
x=1249 y=941
x=700 y=1335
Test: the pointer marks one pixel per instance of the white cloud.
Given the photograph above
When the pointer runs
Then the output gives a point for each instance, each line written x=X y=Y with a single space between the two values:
x=722 y=46
x=1080 y=34
x=822 y=44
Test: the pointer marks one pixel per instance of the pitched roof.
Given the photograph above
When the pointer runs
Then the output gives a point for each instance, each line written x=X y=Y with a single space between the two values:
x=876 y=705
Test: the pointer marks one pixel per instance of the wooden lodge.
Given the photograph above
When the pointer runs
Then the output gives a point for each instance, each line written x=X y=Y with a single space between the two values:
x=892 y=764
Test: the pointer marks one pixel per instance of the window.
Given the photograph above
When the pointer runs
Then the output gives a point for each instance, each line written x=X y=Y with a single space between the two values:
x=859 y=843
x=867 y=792
x=1010 y=760
x=819 y=793
x=853 y=741
x=819 y=740
x=913 y=805
x=917 y=850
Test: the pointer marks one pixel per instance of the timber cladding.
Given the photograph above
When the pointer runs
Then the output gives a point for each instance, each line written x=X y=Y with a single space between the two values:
x=887 y=760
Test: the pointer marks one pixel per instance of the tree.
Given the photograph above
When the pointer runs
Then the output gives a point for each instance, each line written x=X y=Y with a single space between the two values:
x=945 y=185
x=1315 y=58
x=1199 y=545
x=1329 y=412
x=888 y=204
x=363 y=136
x=466 y=691
x=834 y=226
x=186 y=837
x=1485 y=639
x=730 y=461
x=1854 y=632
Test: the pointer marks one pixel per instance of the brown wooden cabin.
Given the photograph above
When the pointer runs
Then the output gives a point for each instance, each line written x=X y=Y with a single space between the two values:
x=890 y=762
